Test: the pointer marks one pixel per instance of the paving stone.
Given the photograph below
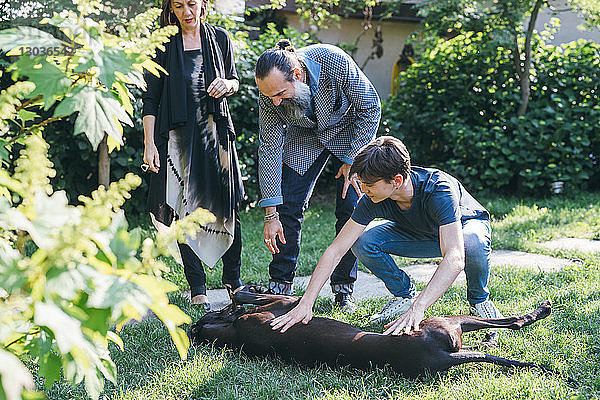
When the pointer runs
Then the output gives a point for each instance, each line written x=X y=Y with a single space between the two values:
x=583 y=245
x=535 y=262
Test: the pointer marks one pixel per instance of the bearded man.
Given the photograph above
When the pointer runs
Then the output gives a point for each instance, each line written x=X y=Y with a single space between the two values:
x=314 y=103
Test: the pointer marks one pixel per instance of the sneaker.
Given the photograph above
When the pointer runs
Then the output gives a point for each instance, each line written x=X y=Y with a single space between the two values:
x=393 y=309
x=487 y=310
x=345 y=302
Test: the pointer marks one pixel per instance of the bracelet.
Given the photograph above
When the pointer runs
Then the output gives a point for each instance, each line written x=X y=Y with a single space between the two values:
x=271 y=217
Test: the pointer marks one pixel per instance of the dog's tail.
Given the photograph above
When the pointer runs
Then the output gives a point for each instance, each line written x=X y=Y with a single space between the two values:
x=463 y=357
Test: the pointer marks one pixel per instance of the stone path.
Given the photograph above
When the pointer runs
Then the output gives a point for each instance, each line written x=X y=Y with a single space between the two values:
x=583 y=245
x=369 y=286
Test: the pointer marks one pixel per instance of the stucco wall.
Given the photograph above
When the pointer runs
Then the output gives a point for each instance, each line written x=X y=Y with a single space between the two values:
x=379 y=70
x=569 y=31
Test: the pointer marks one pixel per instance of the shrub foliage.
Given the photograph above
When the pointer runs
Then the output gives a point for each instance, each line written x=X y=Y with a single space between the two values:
x=72 y=275
x=456 y=109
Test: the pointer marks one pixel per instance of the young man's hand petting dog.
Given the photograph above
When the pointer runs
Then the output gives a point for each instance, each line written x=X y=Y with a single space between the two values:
x=302 y=312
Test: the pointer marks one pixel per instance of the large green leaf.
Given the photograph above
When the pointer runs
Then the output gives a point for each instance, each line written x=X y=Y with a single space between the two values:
x=108 y=61
x=99 y=112
x=50 y=82
x=117 y=293
x=26 y=36
x=86 y=33
x=52 y=213
x=66 y=329
x=68 y=284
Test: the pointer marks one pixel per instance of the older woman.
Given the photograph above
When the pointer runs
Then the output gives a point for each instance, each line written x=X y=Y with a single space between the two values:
x=189 y=142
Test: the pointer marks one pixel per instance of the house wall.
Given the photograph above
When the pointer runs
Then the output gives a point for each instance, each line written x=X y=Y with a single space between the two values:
x=378 y=70
x=569 y=31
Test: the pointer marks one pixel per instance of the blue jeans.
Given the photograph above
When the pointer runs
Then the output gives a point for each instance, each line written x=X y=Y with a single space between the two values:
x=383 y=238
x=296 y=190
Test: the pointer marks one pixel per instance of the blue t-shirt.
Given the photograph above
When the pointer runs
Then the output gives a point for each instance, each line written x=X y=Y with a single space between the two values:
x=438 y=199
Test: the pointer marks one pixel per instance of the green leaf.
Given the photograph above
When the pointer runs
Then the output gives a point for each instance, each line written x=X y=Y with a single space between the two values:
x=4 y=150
x=50 y=365
x=11 y=276
x=98 y=319
x=84 y=34
x=52 y=213
x=26 y=36
x=108 y=61
x=25 y=115
x=66 y=329
x=99 y=112
x=15 y=376
x=50 y=82
x=41 y=350
x=67 y=284
x=117 y=293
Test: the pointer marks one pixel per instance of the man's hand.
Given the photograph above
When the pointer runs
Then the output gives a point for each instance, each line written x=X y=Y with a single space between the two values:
x=409 y=321
x=299 y=313
x=345 y=172
x=273 y=230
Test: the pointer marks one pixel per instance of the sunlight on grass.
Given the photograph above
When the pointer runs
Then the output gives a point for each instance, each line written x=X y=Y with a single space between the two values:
x=567 y=341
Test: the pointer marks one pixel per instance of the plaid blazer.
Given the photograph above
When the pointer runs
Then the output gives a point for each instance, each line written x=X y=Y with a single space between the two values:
x=347 y=111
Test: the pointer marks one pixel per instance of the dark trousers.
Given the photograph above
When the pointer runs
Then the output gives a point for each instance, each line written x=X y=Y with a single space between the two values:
x=194 y=269
x=296 y=190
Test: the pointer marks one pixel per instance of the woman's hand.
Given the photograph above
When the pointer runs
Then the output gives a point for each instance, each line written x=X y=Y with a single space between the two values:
x=302 y=312
x=272 y=230
x=221 y=87
x=151 y=157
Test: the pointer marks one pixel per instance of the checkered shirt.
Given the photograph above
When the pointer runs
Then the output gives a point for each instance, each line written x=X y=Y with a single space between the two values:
x=347 y=110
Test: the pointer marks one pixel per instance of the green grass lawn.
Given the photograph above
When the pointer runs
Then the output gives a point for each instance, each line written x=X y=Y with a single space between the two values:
x=568 y=340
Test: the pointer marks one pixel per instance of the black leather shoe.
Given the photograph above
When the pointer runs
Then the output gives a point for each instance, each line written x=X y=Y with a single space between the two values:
x=345 y=302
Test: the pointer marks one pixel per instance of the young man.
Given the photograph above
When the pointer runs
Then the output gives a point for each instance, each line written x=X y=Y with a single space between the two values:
x=425 y=213
x=315 y=104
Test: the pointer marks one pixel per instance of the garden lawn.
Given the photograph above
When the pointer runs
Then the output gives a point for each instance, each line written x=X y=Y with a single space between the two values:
x=568 y=340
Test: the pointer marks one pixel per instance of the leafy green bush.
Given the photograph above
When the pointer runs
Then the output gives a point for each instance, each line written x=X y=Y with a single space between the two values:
x=456 y=109
x=72 y=276
x=66 y=298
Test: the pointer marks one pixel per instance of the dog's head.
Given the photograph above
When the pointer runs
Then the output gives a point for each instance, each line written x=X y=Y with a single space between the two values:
x=216 y=326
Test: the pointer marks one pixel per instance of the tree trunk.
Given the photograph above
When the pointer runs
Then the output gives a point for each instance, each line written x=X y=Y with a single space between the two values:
x=103 y=163
x=526 y=66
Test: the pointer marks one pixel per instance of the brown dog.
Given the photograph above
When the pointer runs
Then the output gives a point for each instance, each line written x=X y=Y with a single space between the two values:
x=436 y=347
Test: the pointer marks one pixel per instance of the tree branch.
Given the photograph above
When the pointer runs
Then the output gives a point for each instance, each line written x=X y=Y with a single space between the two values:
x=517 y=57
x=525 y=90
x=28 y=102
x=45 y=122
